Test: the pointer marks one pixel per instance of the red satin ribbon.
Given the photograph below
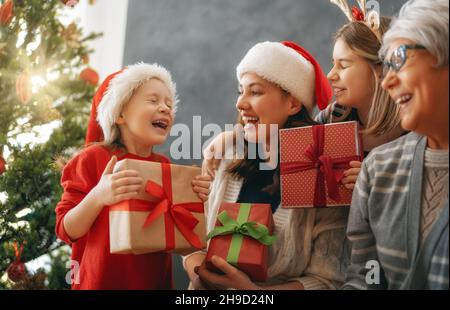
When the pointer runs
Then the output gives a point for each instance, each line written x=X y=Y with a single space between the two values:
x=358 y=15
x=179 y=215
x=330 y=171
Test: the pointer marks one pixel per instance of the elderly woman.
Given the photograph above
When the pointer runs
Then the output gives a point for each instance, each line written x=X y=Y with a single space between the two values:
x=399 y=215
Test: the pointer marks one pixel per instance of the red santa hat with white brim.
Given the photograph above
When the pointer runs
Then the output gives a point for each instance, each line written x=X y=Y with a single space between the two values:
x=115 y=92
x=292 y=68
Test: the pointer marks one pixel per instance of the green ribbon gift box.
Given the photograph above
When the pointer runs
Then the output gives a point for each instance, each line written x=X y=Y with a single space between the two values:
x=242 y=236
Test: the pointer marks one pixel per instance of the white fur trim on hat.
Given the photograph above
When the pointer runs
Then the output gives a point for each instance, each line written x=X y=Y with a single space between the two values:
x=120 y=90
x=283 y=66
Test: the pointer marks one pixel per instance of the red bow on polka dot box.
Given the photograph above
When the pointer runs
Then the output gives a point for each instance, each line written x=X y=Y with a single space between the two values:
x=313 y=161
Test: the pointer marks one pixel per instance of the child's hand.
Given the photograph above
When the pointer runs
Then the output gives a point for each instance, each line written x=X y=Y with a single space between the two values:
x=201 y=185
x=214 y=153
x=117 y=187
x=351 y=175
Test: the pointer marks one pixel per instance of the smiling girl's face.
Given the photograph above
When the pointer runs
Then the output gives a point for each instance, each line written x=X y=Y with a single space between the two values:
x=261 y=102
x=148 y=117
x=352 y=77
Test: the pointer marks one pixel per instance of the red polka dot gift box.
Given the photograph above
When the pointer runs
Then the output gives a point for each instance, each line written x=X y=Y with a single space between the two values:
x=312 y=164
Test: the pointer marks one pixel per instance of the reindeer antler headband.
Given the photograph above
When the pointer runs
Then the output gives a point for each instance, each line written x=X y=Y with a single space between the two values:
x=371 y=19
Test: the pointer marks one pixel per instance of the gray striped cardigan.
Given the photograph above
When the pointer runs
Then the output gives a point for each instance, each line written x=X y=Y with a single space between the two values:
x=384 y=223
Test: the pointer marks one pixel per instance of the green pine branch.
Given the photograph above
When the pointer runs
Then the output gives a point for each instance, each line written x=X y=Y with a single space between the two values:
x=31 y=182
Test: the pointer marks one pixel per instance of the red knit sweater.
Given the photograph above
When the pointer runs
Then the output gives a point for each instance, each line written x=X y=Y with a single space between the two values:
x=98 y=269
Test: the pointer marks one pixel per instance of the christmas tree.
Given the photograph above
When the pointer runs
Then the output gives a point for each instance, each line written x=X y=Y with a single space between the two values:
x=44 y=79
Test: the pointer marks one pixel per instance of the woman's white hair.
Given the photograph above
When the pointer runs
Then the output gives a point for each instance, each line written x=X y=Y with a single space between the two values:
x=424 y=22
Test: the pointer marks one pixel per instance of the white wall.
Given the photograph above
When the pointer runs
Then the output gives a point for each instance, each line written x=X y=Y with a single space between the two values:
x=109 y=17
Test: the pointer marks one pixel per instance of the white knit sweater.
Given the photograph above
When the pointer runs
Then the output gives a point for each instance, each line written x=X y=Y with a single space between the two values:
x=310 y=245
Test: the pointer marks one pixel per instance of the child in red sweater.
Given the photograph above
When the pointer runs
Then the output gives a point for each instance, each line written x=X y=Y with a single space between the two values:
x=133 y=110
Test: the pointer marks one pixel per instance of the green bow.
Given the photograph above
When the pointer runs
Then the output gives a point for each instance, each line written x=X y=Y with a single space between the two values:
x=240 y=228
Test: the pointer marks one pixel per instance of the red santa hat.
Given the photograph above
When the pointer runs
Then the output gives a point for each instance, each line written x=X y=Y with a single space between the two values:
x=115 y=92
x=292 y=68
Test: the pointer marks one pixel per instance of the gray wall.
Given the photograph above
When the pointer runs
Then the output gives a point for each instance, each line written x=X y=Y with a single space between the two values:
x=202 y=41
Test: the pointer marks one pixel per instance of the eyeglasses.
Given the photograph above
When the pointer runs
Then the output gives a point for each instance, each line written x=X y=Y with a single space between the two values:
x=398 y=58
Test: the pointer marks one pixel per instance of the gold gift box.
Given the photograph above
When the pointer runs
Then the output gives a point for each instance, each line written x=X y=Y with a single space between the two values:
x=126 y=219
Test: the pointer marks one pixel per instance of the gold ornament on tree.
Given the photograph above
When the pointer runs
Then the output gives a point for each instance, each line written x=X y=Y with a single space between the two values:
x=71 y=35
x=3 y=49
x=23 y=87
x=85 y=59
x=45 y=111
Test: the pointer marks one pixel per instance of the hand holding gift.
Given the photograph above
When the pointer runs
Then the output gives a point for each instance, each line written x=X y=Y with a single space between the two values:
x=351 y=175
x=231 y=277
x=316 y=175
x=201 y=185
x=166 y=216
x=242 y=237
x=116 y=187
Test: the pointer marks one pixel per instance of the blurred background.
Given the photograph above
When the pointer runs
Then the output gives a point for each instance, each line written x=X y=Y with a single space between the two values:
x=52 y=57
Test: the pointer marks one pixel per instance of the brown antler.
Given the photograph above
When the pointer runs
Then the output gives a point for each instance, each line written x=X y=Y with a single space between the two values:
x=362 y=5
x=343 y=5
